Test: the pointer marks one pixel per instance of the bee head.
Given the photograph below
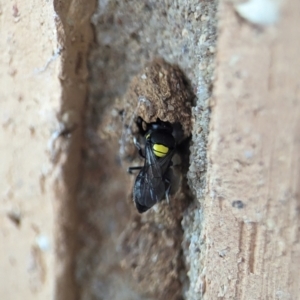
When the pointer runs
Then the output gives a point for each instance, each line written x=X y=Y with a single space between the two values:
x=159 y=135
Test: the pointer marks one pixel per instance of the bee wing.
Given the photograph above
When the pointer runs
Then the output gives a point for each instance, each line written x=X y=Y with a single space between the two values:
x=157 y=167
x=149 y=186
x=153 y=185
x=147 y=190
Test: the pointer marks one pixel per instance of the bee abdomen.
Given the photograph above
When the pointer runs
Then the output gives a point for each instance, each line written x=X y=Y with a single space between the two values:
x=160 y=150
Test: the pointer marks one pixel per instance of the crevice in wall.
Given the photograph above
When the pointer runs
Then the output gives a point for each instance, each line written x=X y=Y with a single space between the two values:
x=129 y=35
x=74 y=36
x=90 y=231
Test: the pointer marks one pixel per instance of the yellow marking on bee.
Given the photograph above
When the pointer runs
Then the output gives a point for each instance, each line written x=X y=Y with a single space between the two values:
x=147 y=136
x=160 y=150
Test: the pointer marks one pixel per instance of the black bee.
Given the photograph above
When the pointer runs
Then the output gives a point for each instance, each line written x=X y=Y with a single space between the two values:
x=153 y=182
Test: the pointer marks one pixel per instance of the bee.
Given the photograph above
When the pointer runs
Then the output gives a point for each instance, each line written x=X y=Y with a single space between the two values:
x=153 y=182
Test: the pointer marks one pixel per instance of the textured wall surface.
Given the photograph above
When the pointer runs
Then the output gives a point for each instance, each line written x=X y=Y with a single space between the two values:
x=252 y=206
x=42 y=90
x=30 y=96
x=65 y=206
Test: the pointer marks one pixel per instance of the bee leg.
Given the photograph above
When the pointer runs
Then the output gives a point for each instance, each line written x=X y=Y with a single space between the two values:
x=167 y=192
x=137 y=144
x=139 y=123
x=130 y=169
x=167 y=195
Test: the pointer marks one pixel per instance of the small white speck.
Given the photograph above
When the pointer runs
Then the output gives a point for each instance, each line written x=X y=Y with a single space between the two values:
x=202 y=66
x=204 y=18
x=43 y=242
x=234 y=59
x=184 y=32
x=248 y=154
x=259 y=12
x=144 y=76
x=197 y=14
x=154 y=258
x=223 y=252
x=212 y=49
x=202 y=39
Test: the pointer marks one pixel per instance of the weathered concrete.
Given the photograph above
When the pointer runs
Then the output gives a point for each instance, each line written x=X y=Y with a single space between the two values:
x=251 y=210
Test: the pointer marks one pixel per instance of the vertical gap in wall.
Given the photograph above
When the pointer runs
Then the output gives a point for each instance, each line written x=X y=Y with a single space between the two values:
x=74 y=37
